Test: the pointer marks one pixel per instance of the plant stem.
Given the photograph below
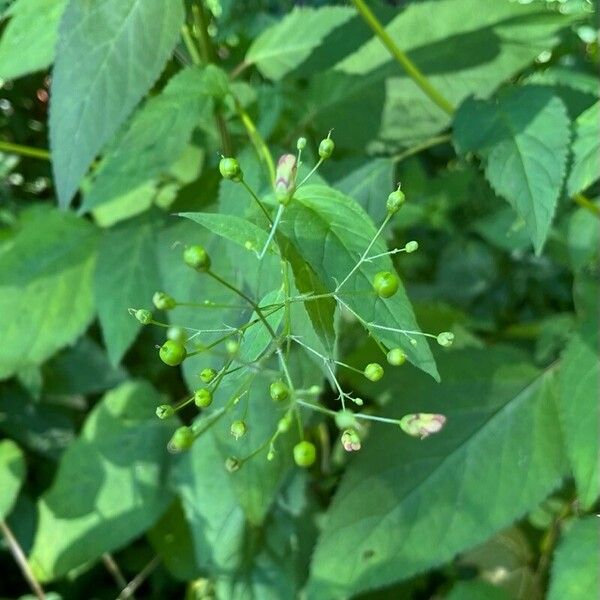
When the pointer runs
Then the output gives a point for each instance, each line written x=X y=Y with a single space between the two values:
x=189 y=44
x=113 y=568
x=21 y=560
x=11 y=148
x=411 y=69
x=434 y=141
x=587 y=204
x=258 y=201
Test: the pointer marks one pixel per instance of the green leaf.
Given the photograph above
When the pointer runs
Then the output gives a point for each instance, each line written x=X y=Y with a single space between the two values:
x=242 y=232
x=12 y=475
x=575 y=568
x=477 y=590
x=109 y=53
x=45 y=286
x=126 y=277
x=407 y=505
x=523 y=139
x=110 y=485
x=155 y=138
x=583 y=236
x=284 y=46
x=27 y=44
x=331 y=231
x=586 y=149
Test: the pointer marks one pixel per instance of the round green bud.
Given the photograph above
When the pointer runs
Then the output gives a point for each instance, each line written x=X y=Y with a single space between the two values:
x=208 y=375
x=445 y=339
x=396 y=357
x=172 y=353
x=143 y=316
x=164 y=411
x=232 y=346
x=305 y=454
x=230 y=169
x=326 y=148
x=163 y=301
x=182 y=439
x=386 y=284
x=411 y=247
x=284 y=423
x=395 y=201
x=177 y=334
x=373 y=371
x=232 y=464
x=203 y=397
x=197 y=258
x=301 y=143
x=345 y=419
x=279 y=391
x=238 y=429
x=270 y=454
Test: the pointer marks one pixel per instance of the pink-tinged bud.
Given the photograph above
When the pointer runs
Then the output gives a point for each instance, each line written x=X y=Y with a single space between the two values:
x=350 y=440
x=285 y=178
x=422 y=425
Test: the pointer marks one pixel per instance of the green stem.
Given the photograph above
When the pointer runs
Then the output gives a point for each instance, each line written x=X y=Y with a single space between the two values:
x=189 y=44
x=587 y=204
x=434 y=141
x=411 y=69
x=10 y=148
x=258 y=201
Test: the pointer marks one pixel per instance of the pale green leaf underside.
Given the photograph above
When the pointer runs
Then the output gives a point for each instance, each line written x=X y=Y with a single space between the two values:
x=575 y=567
x=109 y=53
x=27 y=44
x=46 y=298
x=12 y=474
x=331 y=231
x=407 y=505
x=586 y=151
x=110 y=485
x=285 y=45
x=523 y=139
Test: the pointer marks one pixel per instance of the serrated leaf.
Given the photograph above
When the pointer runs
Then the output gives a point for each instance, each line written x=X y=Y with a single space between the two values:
x=155 y=138
x=126 y=277
x=109 y=53
x=575 y=568
x=523 y=139
x=586 y=151
x=284 y=46
x=45 y=286
x=407 y=505
x=331 y=231
x=12 y=475
x=110 y=485
x=27 y=44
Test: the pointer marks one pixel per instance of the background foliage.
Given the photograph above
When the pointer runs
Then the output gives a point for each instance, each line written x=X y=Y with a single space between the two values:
x=113 y=116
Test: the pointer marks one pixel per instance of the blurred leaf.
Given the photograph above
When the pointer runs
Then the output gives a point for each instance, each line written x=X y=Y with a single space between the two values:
x=477 y=590
x=575 y=568
x=110 y=485
x=44 y=267
x=109 y=54
x=27 y=43
x=285 y=45
x=154 y=139
x=523 y=139
x=503 y=229
x=126 y=277
x=12 y=475
x=331 y=231
x=407 y=505
x=583 y=237
x=586 y=149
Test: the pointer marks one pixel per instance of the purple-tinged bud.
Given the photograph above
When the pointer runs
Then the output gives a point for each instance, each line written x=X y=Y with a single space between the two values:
x=422 y=425
x=350 y=440
x=285 y=178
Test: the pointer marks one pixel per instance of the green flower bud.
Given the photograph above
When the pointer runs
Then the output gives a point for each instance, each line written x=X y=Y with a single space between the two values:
x=232 y=464
x=422 y=425
x=301 y=143
x=230 y=169
x=208 y=375
x=279 y=391
x=163 y=301
x=386 y=284
x=197 y=258
x=345 y=419
x=172 y=353
x=445 y=339
x=305 y=454
x=326 y=148
x=143 y=316
x=411 y=247
x=164 y=411
x=271 y=454
x=232 y=347
x=396 y=357
x=238 y=429
x=395 y=201
x=285 y=179
x=284 y=423
x=203 y=398
x=182 y=439
x=373 y=371
x=177 y=334
x=350 y=440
